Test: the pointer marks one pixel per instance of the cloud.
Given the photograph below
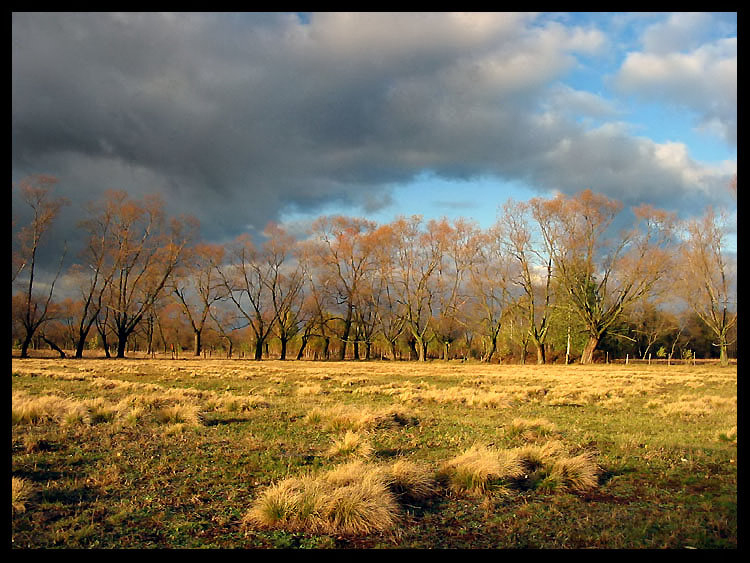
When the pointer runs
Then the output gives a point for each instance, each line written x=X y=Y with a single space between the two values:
x=675 y=67
x=241 y=118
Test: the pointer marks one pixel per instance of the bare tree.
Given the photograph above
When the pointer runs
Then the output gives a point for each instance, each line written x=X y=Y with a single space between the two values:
x=534 y=269
x=343 y=252
x=602 y=275
x=460 y=241
x=417 y=255
x=143 y=249
x=246 y=278
x=196 y=286
x=709 y=276
x=30 y=309
x=489 y=281
x=285 y=283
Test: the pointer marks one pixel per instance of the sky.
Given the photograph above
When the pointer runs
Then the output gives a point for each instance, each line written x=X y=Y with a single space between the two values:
x=244 y=118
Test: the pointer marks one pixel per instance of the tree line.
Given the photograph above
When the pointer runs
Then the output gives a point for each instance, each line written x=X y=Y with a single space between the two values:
x=550 y=274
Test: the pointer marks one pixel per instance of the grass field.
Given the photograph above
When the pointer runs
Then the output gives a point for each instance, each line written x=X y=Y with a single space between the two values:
x=243 y=454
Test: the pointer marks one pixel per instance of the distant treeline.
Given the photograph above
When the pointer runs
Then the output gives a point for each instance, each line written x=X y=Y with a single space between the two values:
x=550 y=281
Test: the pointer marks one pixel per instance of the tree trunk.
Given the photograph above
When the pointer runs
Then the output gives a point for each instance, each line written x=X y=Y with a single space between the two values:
x=393 y=349
x=302 y=347
x=540 y=353
x=283 y=348
x=54 y=346
x=197 y=343
x=258 y=349
x=368 y=347
x=422 y=351
x=587 y=356
x=723 y=357
x=79 y=347
x=25 y=346
x=356 y=349
x=347 y=329
x=413 y=349
x=493 y=348
x=122 y=342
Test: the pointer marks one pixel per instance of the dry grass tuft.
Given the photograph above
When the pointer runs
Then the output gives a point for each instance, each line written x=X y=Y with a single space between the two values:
x=351 y=499
x=26 y=409
x=20 y=493
x=352 y=443
x=410 y=481
x=577 y=474
x=534 y=457
x=180 y=413
x=480 y=467
x=530 y=430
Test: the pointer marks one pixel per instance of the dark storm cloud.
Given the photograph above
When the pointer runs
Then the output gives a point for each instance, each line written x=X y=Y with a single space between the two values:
x=236 y=118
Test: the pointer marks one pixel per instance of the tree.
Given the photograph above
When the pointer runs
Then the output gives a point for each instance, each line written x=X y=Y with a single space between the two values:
x=30 y=309
x=342 y=250
x=417 y=255
x=459 y=241
x=650 y=324
x=603 y=275
x=246 y=279
x=391 y=321
x=143 y=248
x=534 y=269
x=285 y=283
x=93 y=275
x=709 y=283
x=196 y=286
x=489 y=280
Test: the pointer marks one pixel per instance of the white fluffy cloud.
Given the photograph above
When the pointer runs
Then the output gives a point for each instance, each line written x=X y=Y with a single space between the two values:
x=674 y=67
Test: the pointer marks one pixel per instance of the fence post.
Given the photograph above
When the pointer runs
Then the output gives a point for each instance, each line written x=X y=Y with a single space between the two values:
x=649 y=358
x=627 y=356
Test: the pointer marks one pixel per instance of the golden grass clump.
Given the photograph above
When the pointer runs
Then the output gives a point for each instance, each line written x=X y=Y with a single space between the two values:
x=180 y=413
x=530 y=430
x=351 y=444
x=347 y=418
x=310 y=389
x=480 y=467
x=237 y=403
x=410 y=481
x=533 y=457
x=692 y=407
x=26 y=409
x=98 y=410
x=351 y=499
x=576 y=474
x=20 y=494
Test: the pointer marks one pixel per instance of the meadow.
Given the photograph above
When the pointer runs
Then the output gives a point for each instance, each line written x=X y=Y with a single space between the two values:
x=142 y=453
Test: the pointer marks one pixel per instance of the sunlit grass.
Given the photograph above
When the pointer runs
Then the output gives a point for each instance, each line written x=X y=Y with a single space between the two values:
x=20 y=493
x=351 y=454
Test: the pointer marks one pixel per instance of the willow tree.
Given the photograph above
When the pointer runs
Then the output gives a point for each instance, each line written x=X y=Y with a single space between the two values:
x=489 y=282
x=143 y=247
x=285 y=282
x=603 y=273
x=532 y=256
x=708 y=277
x=30 y=308
x=342 y=253
x=197 y=286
